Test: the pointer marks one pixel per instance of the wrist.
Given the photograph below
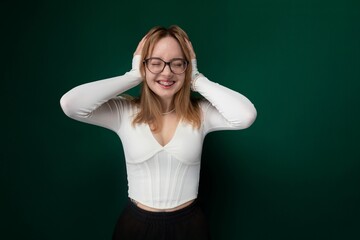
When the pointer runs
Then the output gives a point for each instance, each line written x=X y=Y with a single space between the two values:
x=136 y=62
x=194 y=80
x=195 y=70
x=135 y=66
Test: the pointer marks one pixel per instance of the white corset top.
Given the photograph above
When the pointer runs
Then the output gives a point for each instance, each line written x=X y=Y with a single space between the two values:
x=158 y=176
x=163 y=181
x=162 y=176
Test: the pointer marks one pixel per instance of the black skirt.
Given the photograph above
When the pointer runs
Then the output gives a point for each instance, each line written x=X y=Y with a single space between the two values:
x=185 y=224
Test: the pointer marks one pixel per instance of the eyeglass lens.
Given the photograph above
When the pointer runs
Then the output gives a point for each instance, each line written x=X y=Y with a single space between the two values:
x=157 y=65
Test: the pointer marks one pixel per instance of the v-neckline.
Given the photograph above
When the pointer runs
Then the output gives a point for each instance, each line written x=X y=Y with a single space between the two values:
x=171 y=139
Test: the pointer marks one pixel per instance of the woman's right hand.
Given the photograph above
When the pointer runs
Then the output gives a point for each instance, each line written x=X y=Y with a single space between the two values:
x=140 y=46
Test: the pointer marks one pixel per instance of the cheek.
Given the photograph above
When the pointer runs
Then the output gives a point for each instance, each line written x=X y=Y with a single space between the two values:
x=182 y=80
x=149 y=77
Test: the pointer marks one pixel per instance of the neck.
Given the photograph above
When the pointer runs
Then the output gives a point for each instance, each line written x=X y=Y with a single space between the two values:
x=166 y=113
x=167 y=106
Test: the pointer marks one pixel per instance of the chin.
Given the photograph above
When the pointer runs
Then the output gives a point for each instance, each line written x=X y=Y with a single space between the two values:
x=165 y=96
x=165 y=93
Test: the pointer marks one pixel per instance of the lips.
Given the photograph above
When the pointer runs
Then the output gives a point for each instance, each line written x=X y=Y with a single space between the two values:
x=166 y=83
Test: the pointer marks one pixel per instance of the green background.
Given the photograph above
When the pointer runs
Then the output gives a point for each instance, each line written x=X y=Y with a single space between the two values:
x=295 y=174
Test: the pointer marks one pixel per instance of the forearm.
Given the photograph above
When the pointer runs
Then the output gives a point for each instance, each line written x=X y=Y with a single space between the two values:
x=82 y=100
x=233 y=106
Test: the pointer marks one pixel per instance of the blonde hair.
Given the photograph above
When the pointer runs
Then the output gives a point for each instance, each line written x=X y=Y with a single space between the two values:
x=149 y=104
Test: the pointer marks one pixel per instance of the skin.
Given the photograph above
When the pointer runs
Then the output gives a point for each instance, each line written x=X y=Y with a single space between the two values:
x=166 y=49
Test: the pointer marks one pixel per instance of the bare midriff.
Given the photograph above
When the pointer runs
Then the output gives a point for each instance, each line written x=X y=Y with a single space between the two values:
x=150 y=209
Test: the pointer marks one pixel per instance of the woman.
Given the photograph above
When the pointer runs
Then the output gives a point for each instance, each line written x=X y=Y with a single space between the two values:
x=162 y=132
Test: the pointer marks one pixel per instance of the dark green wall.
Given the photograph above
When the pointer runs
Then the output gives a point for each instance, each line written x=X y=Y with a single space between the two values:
x=295 y=174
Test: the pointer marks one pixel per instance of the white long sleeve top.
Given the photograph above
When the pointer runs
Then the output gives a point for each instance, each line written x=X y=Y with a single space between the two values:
x=158 y=176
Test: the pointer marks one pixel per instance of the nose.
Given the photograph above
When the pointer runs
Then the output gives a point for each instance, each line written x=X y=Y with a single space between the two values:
x=167 y=69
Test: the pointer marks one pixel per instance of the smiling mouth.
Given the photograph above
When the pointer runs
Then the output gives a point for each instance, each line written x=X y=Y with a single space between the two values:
x=166 y=83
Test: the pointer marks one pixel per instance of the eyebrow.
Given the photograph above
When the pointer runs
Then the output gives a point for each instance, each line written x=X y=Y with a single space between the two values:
x=176 y=58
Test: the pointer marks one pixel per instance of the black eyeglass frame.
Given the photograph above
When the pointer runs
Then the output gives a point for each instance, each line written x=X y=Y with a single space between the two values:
x=166 y=63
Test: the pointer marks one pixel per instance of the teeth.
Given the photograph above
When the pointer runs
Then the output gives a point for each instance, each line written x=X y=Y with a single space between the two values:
x=166 y=83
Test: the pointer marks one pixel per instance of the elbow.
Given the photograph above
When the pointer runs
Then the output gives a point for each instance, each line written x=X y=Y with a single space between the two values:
x=246 y=119
x=72 y=109
x=67 y=107
x=64 y=104
x=250 y=118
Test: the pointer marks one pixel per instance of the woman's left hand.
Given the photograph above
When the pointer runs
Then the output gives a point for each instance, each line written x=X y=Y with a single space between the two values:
x=192 y=52
x=195 y=72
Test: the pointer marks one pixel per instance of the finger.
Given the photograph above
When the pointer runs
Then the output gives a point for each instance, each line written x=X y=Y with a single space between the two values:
x=188 y=43
x=143 y=39
x=192 y=52
x=140 y=45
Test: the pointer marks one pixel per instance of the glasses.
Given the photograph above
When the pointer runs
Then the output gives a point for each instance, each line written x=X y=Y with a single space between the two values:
x=157 y=65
